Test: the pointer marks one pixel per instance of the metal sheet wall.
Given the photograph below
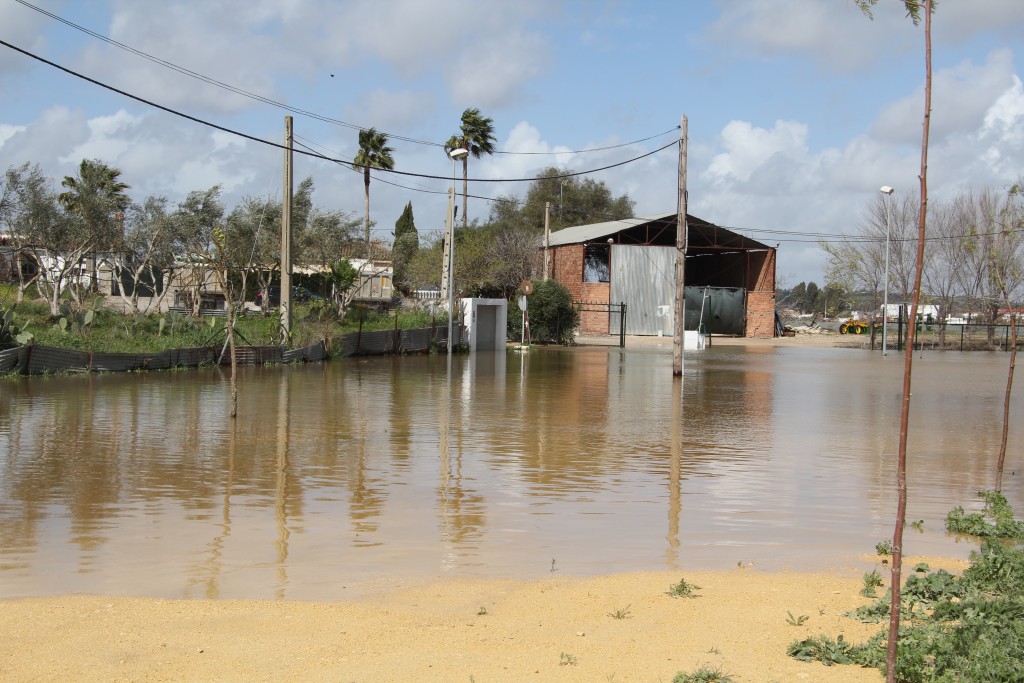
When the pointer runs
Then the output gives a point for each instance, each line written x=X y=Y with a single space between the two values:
x=644 y=278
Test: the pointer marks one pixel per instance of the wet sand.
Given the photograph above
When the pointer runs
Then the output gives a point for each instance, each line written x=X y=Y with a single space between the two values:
x=436 y=632
x=557 y=629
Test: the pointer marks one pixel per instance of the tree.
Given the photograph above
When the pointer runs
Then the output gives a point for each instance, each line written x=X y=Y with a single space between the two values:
x=254 y=241
x=948 y=255
x=342 y=276
x=373 y=153
x=97 y=197
x=196 y=219
x=148 y=251
x=913 y=8
x=407 y=241
x=31 y=213
x=327 y=234
x=476 y=136
x=1007 y=270
x=811 y=295
x=574 y=201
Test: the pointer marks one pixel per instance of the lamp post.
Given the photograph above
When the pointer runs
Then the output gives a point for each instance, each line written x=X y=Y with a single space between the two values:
x=455 y=154
x=886 y=190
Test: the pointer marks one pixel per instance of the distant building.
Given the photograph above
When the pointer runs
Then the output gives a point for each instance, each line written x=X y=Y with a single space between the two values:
x=730 y=279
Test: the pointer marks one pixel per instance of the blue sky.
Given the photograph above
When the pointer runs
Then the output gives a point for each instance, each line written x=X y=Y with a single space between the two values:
x=798 y=110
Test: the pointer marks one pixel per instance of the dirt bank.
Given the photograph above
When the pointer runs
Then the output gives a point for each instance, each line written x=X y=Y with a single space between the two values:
x=558 y=629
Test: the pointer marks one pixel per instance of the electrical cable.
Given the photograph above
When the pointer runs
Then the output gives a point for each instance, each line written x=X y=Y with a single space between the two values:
x=278 y=145
x=281 y=105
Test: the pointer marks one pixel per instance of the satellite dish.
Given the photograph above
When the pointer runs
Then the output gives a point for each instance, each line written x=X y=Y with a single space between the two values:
x=526 y=287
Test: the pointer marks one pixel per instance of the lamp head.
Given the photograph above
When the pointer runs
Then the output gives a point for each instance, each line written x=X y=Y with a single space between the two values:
x=885 y=189
x=458 y=153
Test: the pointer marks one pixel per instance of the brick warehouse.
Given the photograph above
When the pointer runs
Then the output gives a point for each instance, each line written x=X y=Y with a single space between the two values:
x=730 y=279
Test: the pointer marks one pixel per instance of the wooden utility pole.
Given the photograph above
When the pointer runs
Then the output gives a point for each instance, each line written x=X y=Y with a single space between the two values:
x=286 y=236
x=682 y=241
x=547 y=236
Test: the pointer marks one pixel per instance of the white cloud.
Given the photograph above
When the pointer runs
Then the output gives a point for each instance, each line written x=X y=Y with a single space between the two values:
x=495 y=69
x=748 y=150
x=8 y=131
x=22 y=27
x=835 y=32
x=961 y=96
x=391 y=109
x=839 y=35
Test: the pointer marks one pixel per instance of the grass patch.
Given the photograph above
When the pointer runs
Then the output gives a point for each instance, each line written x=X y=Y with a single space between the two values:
x=89 y=327
x=683 y=590
x=953 y=628
x=995 y=521
x=620 y=613
x=703 y=674
x=872 y=580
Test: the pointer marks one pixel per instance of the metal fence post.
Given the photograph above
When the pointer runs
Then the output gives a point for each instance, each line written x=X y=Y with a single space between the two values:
x=622 y=325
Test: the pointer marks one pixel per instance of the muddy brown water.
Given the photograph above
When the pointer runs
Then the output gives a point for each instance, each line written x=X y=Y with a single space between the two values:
x=344 y=477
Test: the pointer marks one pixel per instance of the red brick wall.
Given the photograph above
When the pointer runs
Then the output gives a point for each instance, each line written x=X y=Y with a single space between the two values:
x=761 y=294
x=567 y=267
x=595 y=322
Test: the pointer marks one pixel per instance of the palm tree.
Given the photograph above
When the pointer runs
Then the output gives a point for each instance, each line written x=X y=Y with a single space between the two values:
x=373 y=153
x=476 y=135
x=98 y=198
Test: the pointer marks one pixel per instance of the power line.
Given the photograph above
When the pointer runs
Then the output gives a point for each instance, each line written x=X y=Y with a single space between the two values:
x=277 y=145
x=281 y=105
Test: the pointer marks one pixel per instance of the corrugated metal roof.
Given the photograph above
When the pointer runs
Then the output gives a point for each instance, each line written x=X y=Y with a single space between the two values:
x=586 y=233
x=702 y=233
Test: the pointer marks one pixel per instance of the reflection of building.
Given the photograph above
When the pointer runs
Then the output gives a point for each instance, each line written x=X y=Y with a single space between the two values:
x=729 y=276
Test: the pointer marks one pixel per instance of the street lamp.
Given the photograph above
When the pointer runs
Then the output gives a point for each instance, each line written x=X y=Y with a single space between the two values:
x=886 y=190
x=455 y=154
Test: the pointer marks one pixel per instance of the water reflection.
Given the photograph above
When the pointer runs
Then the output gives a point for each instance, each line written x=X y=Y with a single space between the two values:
x=340 y=475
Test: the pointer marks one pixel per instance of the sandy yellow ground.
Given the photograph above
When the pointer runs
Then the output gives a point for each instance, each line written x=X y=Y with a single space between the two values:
x=558 y=629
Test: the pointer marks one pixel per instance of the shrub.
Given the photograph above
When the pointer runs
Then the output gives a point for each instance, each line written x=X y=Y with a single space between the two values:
x=553 y=318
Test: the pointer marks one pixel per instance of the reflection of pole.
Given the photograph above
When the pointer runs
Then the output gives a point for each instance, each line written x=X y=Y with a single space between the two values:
x=281 y=487
x=217 y=546
x=675 y=498
x=681 y=244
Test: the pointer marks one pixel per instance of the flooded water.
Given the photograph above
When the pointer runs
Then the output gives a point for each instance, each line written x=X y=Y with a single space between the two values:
x=351 y=476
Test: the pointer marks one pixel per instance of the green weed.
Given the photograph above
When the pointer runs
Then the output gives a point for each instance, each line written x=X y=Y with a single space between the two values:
x=620 y=613
x=954 y=628
x=566 y=659
x=683 y=589
x=822 y=649
x=872 y=580
x=704 y=674
x=883 y=548
x=995 y=521
x=796 y=621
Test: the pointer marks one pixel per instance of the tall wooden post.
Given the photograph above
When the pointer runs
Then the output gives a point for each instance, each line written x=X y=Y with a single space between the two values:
x=286 y=236
x=682 y=241
x=547 y=236
x=445 y=253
